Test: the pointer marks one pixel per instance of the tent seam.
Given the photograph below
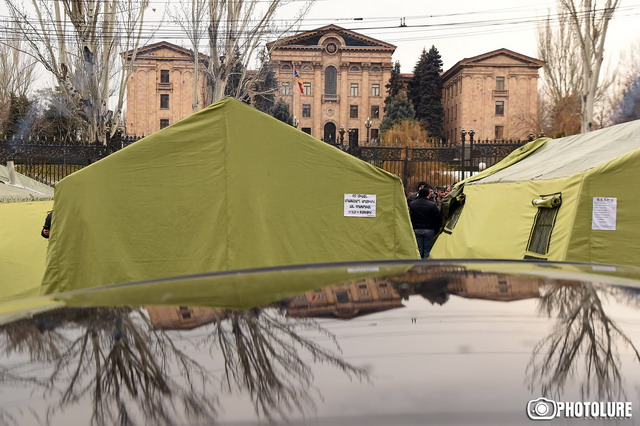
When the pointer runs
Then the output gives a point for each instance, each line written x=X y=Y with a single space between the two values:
x=226 y=181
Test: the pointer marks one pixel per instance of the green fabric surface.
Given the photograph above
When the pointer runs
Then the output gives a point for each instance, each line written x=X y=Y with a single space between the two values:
x=226 y=188
x=22 y=250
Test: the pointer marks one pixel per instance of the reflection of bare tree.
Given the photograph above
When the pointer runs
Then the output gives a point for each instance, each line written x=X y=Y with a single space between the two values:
x=583 y=332
x=263 y=354
x=116 y=357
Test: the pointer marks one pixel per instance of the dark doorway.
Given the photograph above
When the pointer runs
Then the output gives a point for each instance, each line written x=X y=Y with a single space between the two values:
x=342 y=296
x=330 y=133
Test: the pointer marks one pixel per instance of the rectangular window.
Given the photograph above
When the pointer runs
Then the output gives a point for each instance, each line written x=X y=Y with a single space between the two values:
x=375 y=90
x=354 y=90
x=307 y=89
x=307 y=130
x=164 y=76
x=164 y=123
x=499 y=83
x=364 y=292
x=375 y=111
x=375 y=133
x=499 y=107
x=543 y=223
x=286 y=88
x=499 y=132
x=353 y=111
x=164 y=101
x=306 y=110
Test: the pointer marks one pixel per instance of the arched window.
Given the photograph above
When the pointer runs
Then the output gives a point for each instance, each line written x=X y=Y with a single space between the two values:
x=307 y=68
x=375 y=69
x=330 y=81
x=354 y=68
x=286 y=67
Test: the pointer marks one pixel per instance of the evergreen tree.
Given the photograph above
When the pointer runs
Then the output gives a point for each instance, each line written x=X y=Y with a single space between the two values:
x=281 y=112
x=399 y=109
x=17 y=111
x=235 y=80
x=425 y=92
x=394 y=87
x=629 y=108
x=265 y=87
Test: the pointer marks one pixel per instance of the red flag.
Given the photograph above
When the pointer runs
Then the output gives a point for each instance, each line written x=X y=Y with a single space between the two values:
x=298 y=80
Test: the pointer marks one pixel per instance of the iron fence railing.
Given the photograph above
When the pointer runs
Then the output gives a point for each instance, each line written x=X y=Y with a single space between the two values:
x=439 y=164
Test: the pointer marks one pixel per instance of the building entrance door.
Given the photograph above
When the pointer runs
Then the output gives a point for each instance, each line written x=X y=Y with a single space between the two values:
x=330 y=133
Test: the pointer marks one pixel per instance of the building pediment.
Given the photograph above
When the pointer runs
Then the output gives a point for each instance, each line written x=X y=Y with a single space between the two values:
x=163 y=49
x=496 y=58
x=315 y=38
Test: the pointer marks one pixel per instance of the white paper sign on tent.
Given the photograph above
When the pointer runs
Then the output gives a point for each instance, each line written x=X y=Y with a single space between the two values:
x=604 y=214
x=360 y=205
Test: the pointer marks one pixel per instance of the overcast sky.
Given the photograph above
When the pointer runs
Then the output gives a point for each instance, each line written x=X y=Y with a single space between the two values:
x=460 y=28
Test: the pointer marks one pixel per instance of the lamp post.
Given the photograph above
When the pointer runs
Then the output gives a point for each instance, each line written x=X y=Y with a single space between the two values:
x=295 y=121
x=367 y=124
x=342 y=131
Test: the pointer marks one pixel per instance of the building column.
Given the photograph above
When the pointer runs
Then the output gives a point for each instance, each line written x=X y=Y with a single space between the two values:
x=365 y=97
x=317 y=91
x=344 y=98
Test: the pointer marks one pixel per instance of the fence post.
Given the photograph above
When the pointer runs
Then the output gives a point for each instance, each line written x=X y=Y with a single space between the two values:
x=463 y=135
x=405 y=164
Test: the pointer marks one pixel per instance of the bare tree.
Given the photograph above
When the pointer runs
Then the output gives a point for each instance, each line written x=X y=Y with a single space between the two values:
x=191 y=15
x=237 y=29
x=263 y=356
x=589 y=22
x=561 y=81
x=584 y=339
x=17 y=70
x=79 y=42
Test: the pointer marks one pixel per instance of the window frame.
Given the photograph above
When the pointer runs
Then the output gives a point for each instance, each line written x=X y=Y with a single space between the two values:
x=375 y=89
x=500 y=108
x=354 y=89
x=353 y=111
x=306 y=110
x=165 y=101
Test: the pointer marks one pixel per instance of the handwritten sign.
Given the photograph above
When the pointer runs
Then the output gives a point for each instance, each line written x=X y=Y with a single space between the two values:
x=360 y=205
x=604 y=214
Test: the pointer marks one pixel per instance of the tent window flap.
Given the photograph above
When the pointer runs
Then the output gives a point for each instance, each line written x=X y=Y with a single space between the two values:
x=545 y=219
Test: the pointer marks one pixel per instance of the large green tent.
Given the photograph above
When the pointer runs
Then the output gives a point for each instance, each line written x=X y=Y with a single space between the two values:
x=226 y=188
x=567 y=199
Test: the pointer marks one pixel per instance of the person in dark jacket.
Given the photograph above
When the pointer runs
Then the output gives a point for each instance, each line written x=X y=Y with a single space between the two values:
x=46 y=229
x=426 y=220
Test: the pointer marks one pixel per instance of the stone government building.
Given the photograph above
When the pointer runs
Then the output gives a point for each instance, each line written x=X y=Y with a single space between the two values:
x=344 y=76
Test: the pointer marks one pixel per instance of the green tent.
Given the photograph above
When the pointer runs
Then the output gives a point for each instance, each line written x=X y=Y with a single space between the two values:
x=568 y=199
x=226 y=188
x=24 y=204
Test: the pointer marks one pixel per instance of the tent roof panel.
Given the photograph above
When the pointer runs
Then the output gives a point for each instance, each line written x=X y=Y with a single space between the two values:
x=571 y=155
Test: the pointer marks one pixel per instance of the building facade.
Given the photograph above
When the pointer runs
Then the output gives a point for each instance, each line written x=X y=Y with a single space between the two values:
x=160 y=90
x=494 y=94
x=343 y=76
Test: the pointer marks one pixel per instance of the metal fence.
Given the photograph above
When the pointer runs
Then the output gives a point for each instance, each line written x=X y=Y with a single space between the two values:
x=50 y=161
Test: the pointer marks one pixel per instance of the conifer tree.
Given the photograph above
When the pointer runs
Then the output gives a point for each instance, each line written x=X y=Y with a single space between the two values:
x=265 y=86
x=394 y=86
x=282 y=113
x=399 y=109
x=425 y=92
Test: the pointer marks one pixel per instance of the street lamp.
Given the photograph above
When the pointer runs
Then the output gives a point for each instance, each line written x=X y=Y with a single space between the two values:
x=295 y=121
x=367 y=124
x=471 y=133
x=342 y=131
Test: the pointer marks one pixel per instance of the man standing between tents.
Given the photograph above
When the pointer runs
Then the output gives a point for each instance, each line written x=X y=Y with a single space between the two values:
x=426 y=220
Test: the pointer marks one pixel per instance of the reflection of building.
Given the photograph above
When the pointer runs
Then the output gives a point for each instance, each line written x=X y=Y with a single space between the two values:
x=495 y=94
x=182 y=317
x=344 y=76
x=160 y=89
x=506 y=288
x=345 y=301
